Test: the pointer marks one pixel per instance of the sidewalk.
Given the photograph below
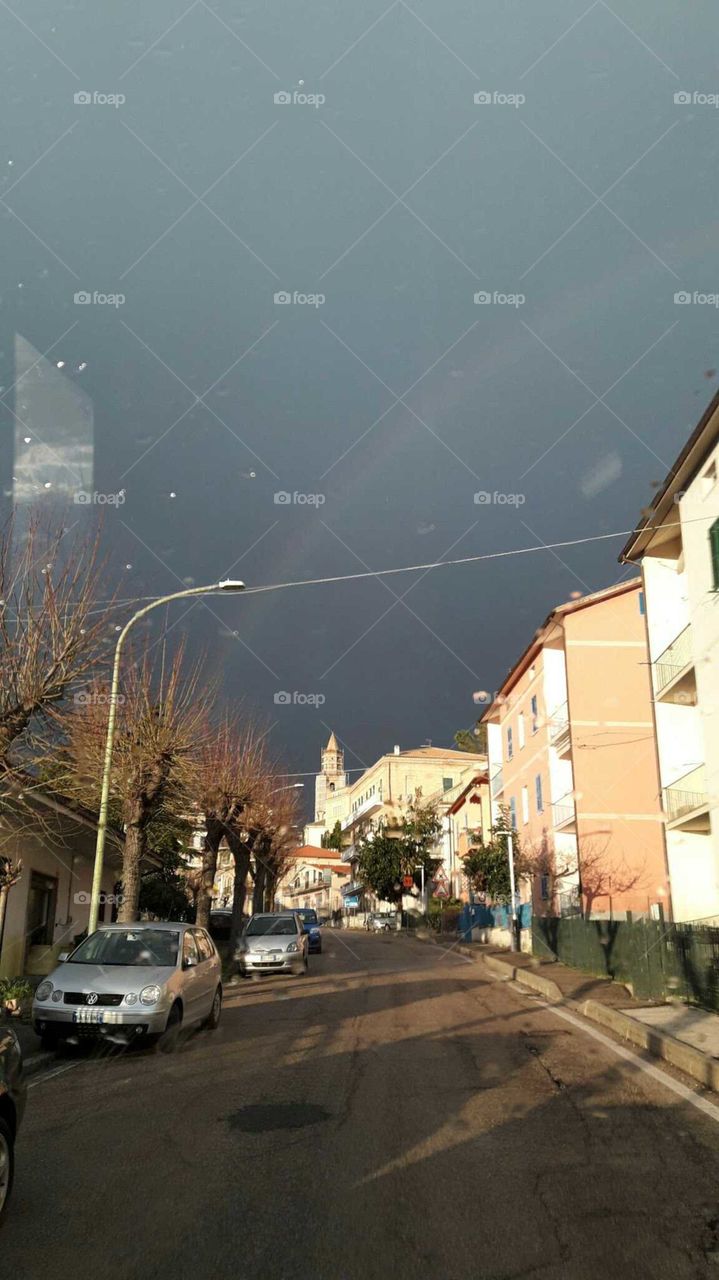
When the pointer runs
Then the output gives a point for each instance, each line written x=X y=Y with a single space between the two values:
x=682 y=1035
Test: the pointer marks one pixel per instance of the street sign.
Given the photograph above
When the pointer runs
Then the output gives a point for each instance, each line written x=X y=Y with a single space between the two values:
x=441 y=889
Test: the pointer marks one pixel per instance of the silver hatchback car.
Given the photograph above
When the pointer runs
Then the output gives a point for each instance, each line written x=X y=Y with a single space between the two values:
x=131 y=982
x=273 y=943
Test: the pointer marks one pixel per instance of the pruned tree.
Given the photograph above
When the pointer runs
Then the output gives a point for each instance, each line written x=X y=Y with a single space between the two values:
x=51 y=635
x=162 y=714
x=10 y=873
x=224 y=776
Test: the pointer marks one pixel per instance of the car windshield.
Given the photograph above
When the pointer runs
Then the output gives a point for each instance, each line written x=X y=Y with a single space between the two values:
x=309 y=917
x=149 y=947
x=271 y=924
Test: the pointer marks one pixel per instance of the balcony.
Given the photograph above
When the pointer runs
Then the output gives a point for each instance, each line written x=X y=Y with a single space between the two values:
x=497 y=783
x=564 y=814
x=674 y=677
x=370 y=805
x=350 y=853
x=686 y=802
x=559 y=734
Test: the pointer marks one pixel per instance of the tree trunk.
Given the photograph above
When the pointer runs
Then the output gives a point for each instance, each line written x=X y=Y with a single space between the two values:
x=209 y=869
x=270 y=888
x=131 y=859
x=258 y=894
x=3 y=907
x=242 y=866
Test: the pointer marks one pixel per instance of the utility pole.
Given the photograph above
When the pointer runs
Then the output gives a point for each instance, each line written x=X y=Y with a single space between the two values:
x=514 y=941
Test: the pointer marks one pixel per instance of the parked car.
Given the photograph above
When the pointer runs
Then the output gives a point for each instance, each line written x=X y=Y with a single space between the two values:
x=220 y=922
x=311 y=927
x=273 y=942
x=12 y=1105
x=382 y=922
x=140 y=981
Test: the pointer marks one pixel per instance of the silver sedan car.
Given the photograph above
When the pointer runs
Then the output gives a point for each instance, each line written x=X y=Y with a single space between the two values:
x=132 y=982
x=272 y=943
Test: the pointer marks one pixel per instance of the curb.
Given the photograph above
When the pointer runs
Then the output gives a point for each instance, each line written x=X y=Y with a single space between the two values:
x=507 y=972
x=691 y=1061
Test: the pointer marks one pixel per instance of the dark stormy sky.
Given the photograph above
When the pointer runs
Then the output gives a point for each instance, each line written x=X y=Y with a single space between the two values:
x=397 y=397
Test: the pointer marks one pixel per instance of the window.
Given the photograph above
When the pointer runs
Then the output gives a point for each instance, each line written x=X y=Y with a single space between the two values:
x=642 y=603
x=189 y=950
x=204 y=945
x=510 y=746
x=544 y=887
x=538 y=792
x=520 y=729
x=525 y=805
x=714 y=545
x=447 y=784
x=513 y=813
x=535 y=714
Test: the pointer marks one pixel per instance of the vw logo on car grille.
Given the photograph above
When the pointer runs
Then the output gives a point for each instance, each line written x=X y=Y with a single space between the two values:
x=92 y=998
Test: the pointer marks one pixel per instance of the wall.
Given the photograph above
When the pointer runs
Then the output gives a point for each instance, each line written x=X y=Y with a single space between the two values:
x=619 y=817
x=62 y=849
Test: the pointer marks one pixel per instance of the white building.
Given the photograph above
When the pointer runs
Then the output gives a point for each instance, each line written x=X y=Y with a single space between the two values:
x=677 y=545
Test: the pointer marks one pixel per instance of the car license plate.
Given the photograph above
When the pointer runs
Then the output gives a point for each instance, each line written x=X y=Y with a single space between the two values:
x=88 y=1015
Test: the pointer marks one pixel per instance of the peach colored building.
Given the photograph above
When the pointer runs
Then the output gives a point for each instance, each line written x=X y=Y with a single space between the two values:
x=572 y=756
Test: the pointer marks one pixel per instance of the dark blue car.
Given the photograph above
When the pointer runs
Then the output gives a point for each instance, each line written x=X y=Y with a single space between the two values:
x=310 y=926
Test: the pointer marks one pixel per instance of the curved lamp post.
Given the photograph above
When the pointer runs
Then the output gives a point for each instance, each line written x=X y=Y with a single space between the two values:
x=217 y=588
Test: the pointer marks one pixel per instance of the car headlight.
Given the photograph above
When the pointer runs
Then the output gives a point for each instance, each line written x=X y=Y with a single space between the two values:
x=44 y=991
x=293 y=946
x=314 y=929
x=131 y=997
x=56 y=997
x=150 y=995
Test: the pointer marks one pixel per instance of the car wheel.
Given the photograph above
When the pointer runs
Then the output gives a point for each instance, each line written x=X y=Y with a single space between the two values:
x=7 y=1165
x=169 y=1040
x=213 y=1020
x=387 y=928
x=302 y=973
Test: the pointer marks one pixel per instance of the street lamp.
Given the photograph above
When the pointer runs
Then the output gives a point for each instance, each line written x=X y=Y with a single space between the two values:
x=292 y=786
x=216 y=588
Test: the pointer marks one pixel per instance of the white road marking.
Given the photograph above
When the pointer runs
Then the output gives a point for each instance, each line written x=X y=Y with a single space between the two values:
x=683 y=1091
x=50 y=1075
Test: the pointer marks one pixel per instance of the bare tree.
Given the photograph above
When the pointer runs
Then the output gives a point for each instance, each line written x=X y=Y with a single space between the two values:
x=161 y=717
x=51 y=638
x=225 y=775
x=10 y=873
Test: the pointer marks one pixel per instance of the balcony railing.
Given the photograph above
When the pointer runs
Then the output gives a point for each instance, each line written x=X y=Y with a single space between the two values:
x=497 y=783
x=349 y=854
x=673 y=660
x=563 y=811
x=559 y=721
x=686 y=794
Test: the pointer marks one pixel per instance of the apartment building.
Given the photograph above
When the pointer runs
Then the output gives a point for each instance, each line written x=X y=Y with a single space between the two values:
x=381 y=794
x=572 y=760
x=316 y=884
x=677 y=547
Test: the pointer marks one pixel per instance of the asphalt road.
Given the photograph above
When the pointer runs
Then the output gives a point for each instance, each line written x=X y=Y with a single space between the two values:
x=395 y=1114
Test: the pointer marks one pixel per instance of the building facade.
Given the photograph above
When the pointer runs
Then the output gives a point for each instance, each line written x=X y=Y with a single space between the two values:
x=572 y=760
x=677 y=547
